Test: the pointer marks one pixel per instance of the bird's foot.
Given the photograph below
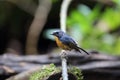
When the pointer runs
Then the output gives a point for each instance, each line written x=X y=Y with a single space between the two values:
x=63 y=54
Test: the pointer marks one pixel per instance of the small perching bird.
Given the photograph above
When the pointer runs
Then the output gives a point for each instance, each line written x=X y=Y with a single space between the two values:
x=65 y=42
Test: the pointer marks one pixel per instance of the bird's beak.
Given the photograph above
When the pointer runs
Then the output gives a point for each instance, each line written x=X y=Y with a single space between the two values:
x=52 y=34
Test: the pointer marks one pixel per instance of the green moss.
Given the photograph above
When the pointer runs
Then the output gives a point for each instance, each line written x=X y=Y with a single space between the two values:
x=44 y=72
x=48 y=70
x=77 y=72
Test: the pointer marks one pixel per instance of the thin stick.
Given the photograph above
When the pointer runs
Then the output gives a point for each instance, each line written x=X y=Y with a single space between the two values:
x=63 y=14
x=64 y=65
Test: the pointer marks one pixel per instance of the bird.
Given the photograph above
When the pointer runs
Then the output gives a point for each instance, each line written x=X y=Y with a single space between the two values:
x=65 y=42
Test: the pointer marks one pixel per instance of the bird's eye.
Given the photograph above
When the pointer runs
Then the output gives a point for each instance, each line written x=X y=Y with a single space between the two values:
x=57 y=33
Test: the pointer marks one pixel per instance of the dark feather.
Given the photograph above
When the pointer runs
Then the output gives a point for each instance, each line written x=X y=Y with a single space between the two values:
x=83 y=50
x=67 y=40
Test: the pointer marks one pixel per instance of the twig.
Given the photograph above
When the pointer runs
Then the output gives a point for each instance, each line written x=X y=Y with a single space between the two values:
x=64 y=65
x=63 y=14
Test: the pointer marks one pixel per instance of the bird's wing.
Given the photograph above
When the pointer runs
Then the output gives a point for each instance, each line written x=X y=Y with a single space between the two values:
x=69 y=42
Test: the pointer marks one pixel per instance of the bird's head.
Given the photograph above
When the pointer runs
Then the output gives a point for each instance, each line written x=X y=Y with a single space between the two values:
x=58 y=34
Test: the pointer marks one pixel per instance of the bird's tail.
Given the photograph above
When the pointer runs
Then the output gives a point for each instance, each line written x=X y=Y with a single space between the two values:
x=78 y=49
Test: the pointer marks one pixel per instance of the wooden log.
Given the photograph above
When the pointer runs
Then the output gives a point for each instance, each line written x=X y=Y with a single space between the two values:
x=12 y=64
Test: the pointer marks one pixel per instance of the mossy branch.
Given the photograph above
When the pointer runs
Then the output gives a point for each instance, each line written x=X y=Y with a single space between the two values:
x=51 y=72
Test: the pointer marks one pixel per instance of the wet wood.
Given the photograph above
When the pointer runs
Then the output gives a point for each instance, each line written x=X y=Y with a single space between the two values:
x=95 y=62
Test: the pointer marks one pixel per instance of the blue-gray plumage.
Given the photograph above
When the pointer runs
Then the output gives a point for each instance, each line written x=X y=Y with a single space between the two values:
x=65 y=42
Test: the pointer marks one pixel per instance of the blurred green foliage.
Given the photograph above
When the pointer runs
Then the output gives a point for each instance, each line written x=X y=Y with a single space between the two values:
x=91 y=27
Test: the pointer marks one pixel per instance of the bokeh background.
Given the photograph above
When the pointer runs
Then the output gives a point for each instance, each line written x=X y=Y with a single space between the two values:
x=26 y=25
x=94 y=24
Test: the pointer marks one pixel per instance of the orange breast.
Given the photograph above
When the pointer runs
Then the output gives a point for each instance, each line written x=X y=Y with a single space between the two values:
x=61 y=45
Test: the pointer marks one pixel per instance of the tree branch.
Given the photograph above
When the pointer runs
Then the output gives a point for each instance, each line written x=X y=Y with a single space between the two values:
x=37 y=26
x=63 y=14
x=28 y=6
